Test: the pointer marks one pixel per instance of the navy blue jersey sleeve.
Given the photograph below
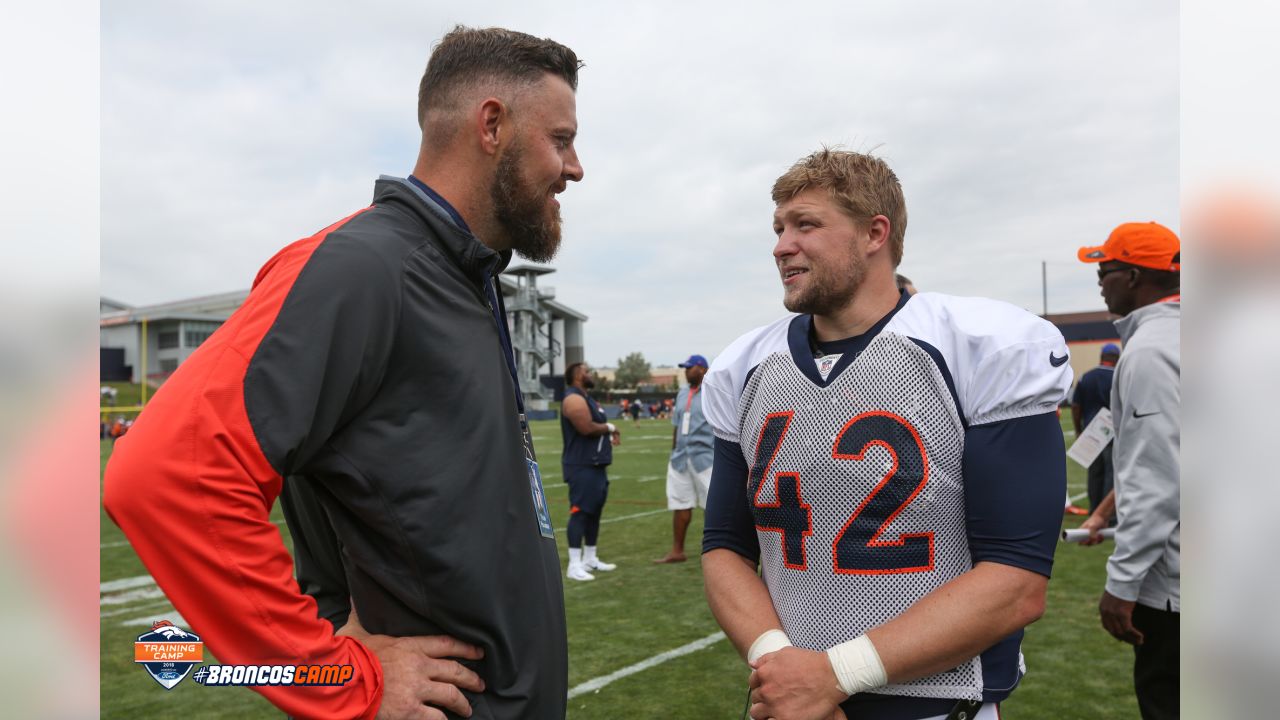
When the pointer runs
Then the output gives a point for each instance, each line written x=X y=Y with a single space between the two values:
x=728 y=518
x=1015 y=480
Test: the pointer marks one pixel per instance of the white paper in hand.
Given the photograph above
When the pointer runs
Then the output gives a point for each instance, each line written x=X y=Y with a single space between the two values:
x=1093 y=440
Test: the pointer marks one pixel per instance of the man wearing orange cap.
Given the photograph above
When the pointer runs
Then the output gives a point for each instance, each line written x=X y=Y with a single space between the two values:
x=1138 y=270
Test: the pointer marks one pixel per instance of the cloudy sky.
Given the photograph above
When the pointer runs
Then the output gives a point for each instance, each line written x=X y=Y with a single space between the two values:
x=1020 y=131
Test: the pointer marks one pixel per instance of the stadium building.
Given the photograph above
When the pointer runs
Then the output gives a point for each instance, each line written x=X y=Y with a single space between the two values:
x=547 y=335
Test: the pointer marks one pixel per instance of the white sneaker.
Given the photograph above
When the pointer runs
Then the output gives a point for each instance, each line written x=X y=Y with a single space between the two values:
x=578 y=572
x=600 y=565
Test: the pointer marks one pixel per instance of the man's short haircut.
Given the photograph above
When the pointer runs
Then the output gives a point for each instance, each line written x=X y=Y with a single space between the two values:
x=903 y=281
x=1168 y=280
x=471 y=57
x=861 y=185
x=569 y=373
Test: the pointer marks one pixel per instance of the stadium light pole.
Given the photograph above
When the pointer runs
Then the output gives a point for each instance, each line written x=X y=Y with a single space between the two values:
x=142 y=375
x=1044 y=286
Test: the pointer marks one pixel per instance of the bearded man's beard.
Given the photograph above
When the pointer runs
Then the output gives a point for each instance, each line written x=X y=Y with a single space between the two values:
x=828 y=290
x=522 y=211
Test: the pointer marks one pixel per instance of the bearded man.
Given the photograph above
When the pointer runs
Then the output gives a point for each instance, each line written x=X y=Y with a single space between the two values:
x=893 y=463
x=370 y=375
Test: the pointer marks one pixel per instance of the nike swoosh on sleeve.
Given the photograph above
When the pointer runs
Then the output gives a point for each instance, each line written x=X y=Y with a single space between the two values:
x=1057 y=361
x=1137 y=415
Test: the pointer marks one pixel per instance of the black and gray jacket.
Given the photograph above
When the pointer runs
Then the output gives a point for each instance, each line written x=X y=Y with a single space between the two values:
x=412 y=496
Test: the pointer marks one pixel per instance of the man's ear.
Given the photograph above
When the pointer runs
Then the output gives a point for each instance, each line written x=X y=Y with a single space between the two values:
x=878 y=229
x=491 y=121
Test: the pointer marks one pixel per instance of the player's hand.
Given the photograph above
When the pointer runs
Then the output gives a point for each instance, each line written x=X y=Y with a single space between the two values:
x=1117 y=618
x=1094 y=524
x=418 y=674
x=615 y=438
x=795 y=684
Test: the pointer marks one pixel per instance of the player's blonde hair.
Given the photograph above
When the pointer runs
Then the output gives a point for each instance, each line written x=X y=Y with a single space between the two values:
x=861 y=185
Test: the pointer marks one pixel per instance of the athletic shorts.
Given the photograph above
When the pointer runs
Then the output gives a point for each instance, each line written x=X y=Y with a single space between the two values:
x=588 y=487
x=686 y=488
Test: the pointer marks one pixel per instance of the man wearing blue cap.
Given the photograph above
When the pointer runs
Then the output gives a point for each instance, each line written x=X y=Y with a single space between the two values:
x=1093 y=393
x=692 y=449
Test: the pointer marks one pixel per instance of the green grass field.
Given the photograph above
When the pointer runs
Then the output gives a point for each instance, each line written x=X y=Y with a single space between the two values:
x=1075 y=670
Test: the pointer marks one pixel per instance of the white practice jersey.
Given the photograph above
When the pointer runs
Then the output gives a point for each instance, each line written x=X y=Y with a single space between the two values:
x=855 y=459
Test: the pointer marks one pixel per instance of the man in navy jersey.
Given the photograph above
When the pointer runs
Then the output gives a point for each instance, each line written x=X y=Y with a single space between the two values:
x=1093 y=393
x=892 y=463
x=589 y=438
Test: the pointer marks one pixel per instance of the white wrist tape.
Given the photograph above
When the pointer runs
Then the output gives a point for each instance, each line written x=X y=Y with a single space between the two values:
x=769 y=641
x=857 y=665
x=612 y=428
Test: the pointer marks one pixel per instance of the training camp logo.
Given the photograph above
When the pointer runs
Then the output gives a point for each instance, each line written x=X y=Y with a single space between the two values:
x=168 y=652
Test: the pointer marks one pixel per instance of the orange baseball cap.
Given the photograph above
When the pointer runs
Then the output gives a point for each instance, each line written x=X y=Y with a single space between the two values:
x=1149 y=245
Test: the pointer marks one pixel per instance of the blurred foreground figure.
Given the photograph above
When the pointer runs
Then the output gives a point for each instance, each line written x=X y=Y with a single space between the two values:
x=1231 y=648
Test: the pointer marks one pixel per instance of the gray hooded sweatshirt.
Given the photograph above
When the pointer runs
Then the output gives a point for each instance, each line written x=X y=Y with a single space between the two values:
x=1145 y=400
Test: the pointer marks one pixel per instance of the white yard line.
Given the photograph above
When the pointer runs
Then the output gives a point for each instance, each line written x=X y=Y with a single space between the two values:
x=132 y=592
x=132 y=596
x=1081 y=496
x=627 y=517
x=130 y=610
x=128 y=583
x=636 y=515
x=173 y=617
x=596 y=683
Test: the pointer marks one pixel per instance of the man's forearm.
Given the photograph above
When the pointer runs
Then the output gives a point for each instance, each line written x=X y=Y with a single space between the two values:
x=738 y=598
x=959 y=620
x=1107 y=508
